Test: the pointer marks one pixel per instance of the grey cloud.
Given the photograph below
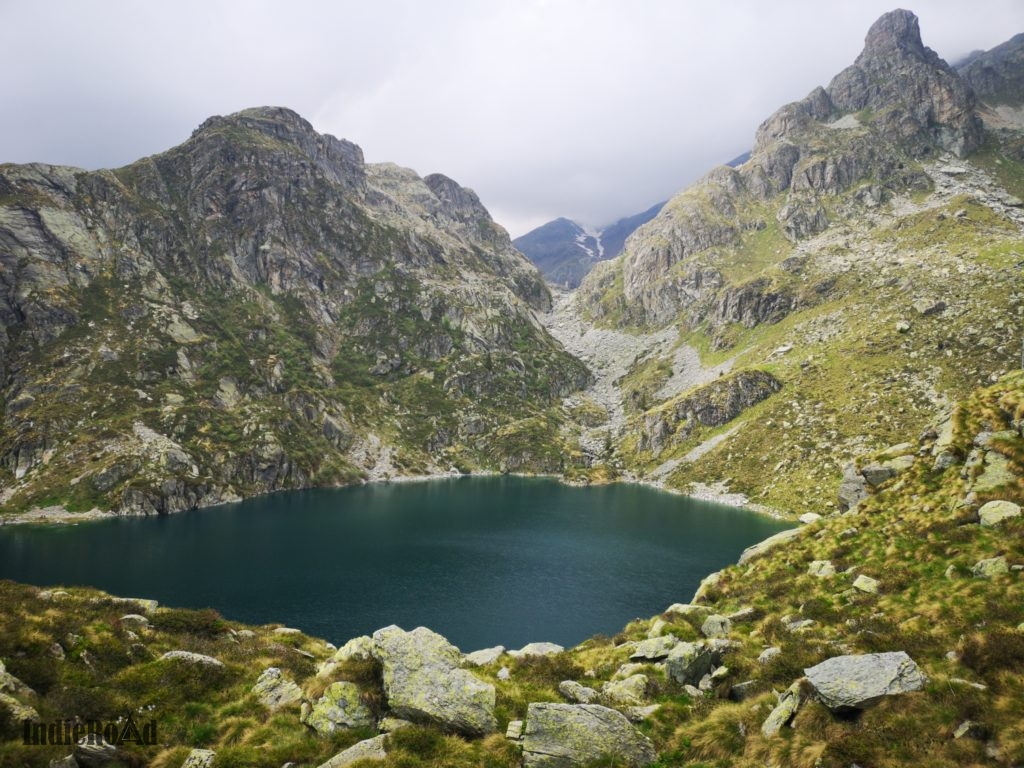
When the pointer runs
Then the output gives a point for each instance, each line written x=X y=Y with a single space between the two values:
x=587 y=109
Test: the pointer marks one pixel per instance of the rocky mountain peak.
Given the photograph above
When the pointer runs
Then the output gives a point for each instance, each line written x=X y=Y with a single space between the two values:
x=895 y=32
x=918 y=99
x=339 y=159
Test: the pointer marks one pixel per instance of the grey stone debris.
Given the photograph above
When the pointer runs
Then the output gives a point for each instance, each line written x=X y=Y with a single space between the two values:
x=857 y=682
x=504 y=674
x=970 y=729
x=743 y=691
x=423 y=682
x=768 y=654
x=514 y=732
x=568 y=735
x=368 y=749
x=134 y=621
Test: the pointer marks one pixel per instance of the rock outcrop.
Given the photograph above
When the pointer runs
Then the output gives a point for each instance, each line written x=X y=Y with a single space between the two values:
x=566 y=735
x=857 y=682
x=424 y=683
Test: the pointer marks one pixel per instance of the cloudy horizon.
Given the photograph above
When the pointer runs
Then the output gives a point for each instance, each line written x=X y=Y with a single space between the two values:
x=585 y=109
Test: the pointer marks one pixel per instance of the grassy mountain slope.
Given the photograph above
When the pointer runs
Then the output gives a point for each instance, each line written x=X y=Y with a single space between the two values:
x=917 y=535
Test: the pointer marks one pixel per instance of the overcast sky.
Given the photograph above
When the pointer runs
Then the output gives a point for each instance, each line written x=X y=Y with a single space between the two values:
x=587 y=109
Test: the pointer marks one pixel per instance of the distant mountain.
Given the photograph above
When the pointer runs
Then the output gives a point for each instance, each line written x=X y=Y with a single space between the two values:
x=997 y=76
x=565 y=251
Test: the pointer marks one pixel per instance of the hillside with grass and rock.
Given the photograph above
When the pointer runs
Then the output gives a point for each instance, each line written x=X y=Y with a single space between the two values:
x=889 y=634
x=255 y=310
x=867 y=258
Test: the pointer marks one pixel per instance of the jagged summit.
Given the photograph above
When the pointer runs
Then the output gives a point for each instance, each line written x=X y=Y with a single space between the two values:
x=894 y=32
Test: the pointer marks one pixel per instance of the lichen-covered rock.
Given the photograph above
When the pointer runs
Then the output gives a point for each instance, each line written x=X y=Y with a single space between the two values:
x=653 y=649
x=16 y=711
x=96 y=752
x=368 y=749
x=357 y=648
x=857 y=682
x=631 y=692
x=866 y=584
x=577 y=693
x=787 y=706
x=568 y=735
x=340 y=707
x=275 y=691
x=187 y=657
x=780 y=538
x=537 y=649
x=484 y=656
x=423 y=681
x=989 y=567
x=994 y=513
x=821 y=568
x=716 y=625
x=687 y=663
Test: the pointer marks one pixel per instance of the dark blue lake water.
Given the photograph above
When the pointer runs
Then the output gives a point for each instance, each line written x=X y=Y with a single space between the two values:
x=483 y=560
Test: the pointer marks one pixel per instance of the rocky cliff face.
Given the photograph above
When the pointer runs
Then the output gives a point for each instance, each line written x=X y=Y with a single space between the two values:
x=857 y=253
x=996 y=76
x=252 y=310
x=897 y=104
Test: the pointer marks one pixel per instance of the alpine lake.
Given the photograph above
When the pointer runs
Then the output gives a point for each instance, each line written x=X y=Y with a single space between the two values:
x=482 y=560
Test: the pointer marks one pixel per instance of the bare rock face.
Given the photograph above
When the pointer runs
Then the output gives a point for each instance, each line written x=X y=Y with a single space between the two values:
x=926 y=101
x=997 y=76
x=898 y=103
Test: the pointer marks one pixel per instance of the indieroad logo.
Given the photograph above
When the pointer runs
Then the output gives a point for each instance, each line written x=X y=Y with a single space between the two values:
x=71 y=732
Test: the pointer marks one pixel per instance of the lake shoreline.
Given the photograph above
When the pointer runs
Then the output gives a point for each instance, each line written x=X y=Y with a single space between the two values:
x=716 y=494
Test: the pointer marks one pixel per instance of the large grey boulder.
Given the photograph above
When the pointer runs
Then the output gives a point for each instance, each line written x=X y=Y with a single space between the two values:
x=95 y=752
x=853 y=489
x=716 y=625
x=689 y=662
x=340 y=707
x=484 y=656
x=424 y=683
x=577 y=693
x=990 y=567
x=274 y=690
x=537 y=649
x=368 y=749
x=199 y=659
x=631 y=692
x=857 y=682
x=654 y=649
x=568 y=735
x=994 y=513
